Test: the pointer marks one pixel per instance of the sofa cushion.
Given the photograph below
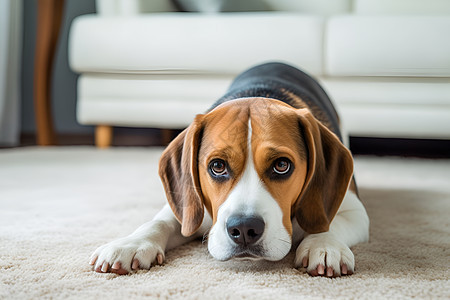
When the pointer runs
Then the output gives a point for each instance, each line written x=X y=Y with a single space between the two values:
x=388 y=46
x=195 y=43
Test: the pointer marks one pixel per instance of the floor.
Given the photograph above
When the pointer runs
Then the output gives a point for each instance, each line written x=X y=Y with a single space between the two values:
x=59 y=204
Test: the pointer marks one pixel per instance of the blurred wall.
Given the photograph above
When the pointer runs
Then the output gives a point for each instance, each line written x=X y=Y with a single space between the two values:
x=64 y=80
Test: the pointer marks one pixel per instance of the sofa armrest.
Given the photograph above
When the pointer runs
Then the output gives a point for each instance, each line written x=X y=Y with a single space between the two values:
x=132 y=7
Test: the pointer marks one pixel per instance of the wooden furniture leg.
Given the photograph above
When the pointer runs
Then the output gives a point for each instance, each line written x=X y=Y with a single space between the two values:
x=103 y=136
x=48 y=23
x=167 y=135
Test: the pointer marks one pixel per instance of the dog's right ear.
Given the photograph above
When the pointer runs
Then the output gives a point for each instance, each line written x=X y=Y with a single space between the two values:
x=178 y=169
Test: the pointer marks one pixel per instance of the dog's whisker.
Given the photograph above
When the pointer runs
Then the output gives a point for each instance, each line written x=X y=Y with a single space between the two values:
x=284 y=241
x=205 y=237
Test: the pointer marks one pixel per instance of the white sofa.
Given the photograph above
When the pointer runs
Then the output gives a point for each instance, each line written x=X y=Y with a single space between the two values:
x=385 y=63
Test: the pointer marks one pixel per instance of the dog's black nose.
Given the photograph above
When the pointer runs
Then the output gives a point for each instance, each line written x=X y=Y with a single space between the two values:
x=245 y=230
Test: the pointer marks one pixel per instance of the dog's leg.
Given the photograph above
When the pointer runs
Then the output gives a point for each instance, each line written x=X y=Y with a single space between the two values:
x=328 y=253
x=145 y=246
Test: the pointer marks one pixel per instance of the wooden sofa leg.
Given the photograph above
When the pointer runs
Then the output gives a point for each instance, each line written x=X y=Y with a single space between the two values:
x=167 y=135
x=103 y=136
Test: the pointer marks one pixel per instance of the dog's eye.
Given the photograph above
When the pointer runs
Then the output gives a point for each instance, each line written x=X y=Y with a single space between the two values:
x=218 y=167
x=282 y=166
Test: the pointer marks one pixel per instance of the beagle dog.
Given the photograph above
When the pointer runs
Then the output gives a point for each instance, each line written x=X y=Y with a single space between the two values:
x=263 y=171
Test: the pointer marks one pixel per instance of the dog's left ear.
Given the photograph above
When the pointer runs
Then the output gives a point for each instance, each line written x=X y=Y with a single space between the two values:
x=178 y=169
x=330 y=168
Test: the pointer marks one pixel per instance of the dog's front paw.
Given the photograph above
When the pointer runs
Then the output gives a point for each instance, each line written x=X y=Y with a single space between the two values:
x=125 y=255
x=324 y=255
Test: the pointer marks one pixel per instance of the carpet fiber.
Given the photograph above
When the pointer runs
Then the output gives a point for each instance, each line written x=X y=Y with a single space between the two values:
x=57 y=205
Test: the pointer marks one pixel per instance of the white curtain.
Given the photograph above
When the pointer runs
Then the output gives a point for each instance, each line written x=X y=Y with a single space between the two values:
x=10 y=57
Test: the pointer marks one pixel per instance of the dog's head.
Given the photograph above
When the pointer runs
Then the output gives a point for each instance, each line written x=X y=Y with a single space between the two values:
x=255 y=165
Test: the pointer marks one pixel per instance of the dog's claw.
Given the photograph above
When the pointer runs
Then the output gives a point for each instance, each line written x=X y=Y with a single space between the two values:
x=344 y=270
x=135 y=265
x=117 y=269
x=98 y=269
x=116 y=266
x=305 y=262
x=321 y=269
x=160 y=259
x=93 y=260
x=105 y=267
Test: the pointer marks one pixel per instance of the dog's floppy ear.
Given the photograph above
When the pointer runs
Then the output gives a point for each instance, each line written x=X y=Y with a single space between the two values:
x=178 y=169
x=330 y=168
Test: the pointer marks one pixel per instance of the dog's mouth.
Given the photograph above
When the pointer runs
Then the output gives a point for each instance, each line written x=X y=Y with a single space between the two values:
x=254 y=253
x=247 y=256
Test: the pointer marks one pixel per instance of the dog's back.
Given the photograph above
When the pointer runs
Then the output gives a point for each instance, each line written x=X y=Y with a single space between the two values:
x=288 y=84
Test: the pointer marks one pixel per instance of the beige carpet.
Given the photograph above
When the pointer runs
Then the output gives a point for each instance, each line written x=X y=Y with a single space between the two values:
x=58 y=204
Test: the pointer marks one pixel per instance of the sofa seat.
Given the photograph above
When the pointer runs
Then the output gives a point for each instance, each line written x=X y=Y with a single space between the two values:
x=395 y=107
x=155 y=101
